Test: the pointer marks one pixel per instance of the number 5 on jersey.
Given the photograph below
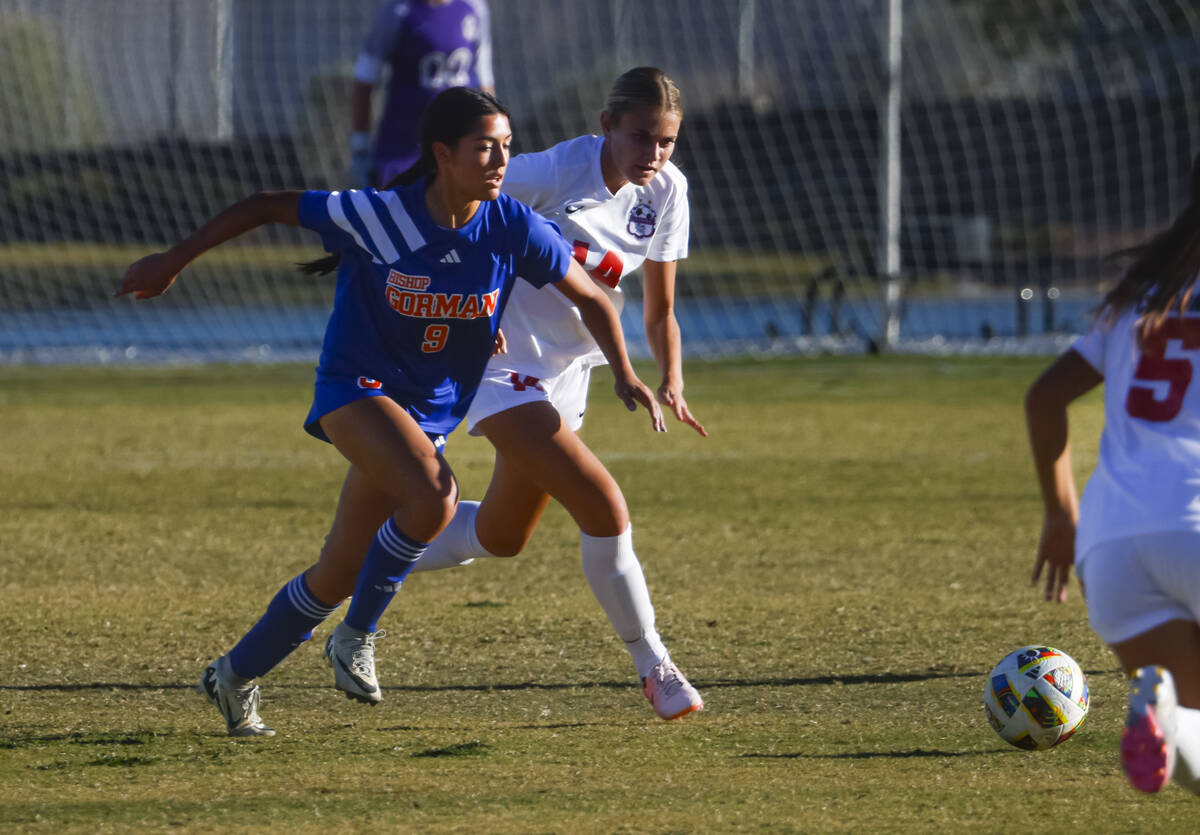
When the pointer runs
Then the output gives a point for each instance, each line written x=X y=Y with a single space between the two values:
x=1156 y=366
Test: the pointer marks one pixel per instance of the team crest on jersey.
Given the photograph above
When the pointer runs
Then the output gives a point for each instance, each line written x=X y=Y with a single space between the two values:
x=642 y=219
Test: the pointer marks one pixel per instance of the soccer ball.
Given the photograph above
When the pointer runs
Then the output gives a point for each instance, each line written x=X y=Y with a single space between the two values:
x=1036 y=697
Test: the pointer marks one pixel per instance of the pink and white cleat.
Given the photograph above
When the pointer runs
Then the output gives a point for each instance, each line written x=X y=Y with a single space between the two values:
x=670 y=693
x=1147 y=743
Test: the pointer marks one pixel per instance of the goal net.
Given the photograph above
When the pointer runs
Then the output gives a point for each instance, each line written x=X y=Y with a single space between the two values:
x=1034 y=137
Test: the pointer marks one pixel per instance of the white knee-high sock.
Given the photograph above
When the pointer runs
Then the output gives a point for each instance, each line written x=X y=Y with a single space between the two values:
x=616 y=578
x=1187 y=749
x=457 y=544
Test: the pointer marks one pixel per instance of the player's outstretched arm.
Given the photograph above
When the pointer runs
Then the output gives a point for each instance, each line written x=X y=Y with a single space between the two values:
x=662 y=332
x=1067 y=378
x=601 y=319
x=153 y=275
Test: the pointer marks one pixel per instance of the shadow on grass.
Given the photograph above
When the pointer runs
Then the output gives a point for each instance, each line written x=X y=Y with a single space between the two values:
x=868 y=755
x=701 y=684
x=80 y=738
x=532 y=726
x=798 y=681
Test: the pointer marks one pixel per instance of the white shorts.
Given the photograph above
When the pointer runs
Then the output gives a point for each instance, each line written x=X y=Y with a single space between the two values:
x=1135 y=584
x=503 y=388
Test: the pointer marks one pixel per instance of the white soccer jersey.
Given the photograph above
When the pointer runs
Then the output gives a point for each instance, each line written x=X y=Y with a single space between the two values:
x=1147 y=478
x=612 y=234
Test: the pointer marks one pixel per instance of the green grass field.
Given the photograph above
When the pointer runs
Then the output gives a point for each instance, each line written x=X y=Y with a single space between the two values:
x=836 y=569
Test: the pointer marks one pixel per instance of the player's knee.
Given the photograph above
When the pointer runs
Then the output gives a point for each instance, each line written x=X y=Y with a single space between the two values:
x=427 y=500
x=504 y=544
x=432 y=504
x=607 y=516
x=502 y=534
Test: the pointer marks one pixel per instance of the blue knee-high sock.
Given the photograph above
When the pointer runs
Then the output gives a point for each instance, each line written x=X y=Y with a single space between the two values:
x=289 y=621
x=389 y=560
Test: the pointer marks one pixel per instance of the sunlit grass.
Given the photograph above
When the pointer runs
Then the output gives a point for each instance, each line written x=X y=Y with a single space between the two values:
x=836 y=568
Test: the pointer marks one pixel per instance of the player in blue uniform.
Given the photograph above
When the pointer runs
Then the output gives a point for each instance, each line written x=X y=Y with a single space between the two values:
x=424 y=272
x=429 y=45
x=623 y=204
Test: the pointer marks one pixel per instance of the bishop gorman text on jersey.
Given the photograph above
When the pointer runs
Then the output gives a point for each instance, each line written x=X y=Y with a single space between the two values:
x=408 y=296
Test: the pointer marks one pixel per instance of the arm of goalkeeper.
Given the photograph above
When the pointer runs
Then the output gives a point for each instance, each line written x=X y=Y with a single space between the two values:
x=360 y=160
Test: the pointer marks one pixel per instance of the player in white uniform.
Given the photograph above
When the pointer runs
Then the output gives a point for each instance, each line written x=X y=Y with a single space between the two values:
x=621 y=205
x=1135 y=537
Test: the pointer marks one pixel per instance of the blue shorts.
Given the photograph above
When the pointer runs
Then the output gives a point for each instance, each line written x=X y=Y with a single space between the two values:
x=330 y=393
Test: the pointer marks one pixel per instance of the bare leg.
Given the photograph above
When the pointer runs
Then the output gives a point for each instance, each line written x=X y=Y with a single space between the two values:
x=361 y=509
x=1174 y=645
x=401 y=474
x=536 y=454
x=367 y=499
x=387 y=446
x=511 y=509
x=537 y=457
x=499 y=526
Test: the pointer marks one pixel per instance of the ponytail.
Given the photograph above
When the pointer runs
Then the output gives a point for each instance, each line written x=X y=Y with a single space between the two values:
x=320 y=266
x=425 y=166
x=1163 y=274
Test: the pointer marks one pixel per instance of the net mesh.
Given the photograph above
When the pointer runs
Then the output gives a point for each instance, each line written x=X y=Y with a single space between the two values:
x=1037 y=135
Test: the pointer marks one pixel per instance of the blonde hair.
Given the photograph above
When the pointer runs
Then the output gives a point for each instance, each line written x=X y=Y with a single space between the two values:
x=643 y=87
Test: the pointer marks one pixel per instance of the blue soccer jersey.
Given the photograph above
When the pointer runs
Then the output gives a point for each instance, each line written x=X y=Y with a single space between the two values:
x=417 y=305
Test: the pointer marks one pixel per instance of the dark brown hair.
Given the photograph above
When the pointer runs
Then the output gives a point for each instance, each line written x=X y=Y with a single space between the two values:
x=1163 y=274
x=450 y=115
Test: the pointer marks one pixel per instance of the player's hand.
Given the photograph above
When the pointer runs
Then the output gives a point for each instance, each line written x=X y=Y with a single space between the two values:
x=672 y=397
x=500 y=346
x=150 y=276
x=1056 y=554
x=633 y=391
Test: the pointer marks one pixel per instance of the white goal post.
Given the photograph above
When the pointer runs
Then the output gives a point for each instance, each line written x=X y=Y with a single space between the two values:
x=1030 y=138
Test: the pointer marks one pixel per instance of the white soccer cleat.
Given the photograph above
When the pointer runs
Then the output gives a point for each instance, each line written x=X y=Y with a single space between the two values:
x=352 y=655
x=670 y=693
x=1147 y=743
x=239 y=705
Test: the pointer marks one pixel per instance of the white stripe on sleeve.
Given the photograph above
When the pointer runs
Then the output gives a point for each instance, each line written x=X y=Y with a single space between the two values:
x=338 y=216
x=404 y=223
x=379 y=237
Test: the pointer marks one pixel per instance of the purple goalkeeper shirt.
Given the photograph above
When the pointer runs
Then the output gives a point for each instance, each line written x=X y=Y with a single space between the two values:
x=429 y=48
